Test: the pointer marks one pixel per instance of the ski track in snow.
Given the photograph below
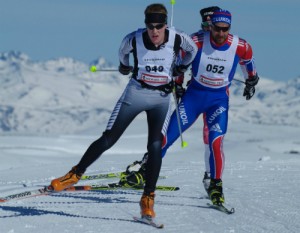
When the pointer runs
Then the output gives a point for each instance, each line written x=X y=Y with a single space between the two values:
x=260 y=182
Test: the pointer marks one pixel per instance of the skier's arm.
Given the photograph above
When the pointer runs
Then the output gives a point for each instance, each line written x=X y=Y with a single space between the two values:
x=189 y=48
x=125 y=49
x=187 y=52
x=246 y=56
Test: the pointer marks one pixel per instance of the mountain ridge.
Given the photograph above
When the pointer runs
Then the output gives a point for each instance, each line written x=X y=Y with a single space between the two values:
x=63 y=96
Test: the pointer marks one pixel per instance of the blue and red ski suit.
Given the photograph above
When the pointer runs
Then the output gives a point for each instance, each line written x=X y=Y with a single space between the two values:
x=212 y=72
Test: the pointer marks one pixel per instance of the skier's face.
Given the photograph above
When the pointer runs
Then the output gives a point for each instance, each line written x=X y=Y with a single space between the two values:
x=156 y=32
x=206 y=25
x=219 y=32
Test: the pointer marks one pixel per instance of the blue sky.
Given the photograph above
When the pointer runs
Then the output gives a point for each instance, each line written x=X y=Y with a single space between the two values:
x=88 y=29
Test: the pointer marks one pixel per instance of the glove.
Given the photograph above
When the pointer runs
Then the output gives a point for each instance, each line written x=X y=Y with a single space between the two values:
x=249 y=89
x=253 y=80
x=125 y=70
x=179 y=70
x=179 y=90
x=249 y=92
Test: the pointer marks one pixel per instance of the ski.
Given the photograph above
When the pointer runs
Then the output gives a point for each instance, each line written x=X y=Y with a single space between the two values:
x=99 y=176
x=26 y=194
x=221 y=208
x=117 y=186
x=103 y=176
x=148 y=221
x=109 y=176
x=48 y=190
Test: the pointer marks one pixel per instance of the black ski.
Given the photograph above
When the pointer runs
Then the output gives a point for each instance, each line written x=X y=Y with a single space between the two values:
x=221 y=208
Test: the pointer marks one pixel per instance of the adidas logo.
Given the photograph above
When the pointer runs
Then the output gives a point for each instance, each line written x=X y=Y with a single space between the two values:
x=216 y=127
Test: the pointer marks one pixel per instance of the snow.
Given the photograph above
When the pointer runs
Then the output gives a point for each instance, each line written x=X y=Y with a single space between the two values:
x=260 y=180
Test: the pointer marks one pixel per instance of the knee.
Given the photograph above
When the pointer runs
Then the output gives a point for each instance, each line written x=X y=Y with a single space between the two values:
x=108 y=139
x=155 y=146
x=217 y=143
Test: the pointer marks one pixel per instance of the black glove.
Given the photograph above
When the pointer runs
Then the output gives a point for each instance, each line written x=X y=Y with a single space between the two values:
x=249 y=89
x=179 y=90
x=125 y=70
x=249 y=92
x=179 y=70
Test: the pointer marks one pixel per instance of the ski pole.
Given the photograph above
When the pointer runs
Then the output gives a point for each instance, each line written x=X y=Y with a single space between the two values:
x=94 y=69
x=238 y=80
x=172 y=3
x=183 y=143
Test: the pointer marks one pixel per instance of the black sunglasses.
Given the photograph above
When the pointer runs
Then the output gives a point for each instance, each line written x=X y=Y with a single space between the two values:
x=218 y=29
x=158 y=26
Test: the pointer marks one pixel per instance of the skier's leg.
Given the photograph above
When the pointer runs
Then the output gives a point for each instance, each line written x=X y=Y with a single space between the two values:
x=206 y=177
x=124 y=112
x=217 y=119
x=155 y=117
x=189 y=110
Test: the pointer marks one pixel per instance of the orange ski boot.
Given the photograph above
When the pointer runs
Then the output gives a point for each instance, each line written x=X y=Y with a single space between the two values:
x=66 y=181
x=147 y=204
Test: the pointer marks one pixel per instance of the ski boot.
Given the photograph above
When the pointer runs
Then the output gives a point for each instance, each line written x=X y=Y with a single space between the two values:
x=136 y=166
x=215 y=192
x=135 y=174
x=66 y=181
x=206 y=181
x=135 y=179
x=147 y=205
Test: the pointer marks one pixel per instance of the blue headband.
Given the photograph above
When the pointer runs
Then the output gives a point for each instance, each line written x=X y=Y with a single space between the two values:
x=221 y=16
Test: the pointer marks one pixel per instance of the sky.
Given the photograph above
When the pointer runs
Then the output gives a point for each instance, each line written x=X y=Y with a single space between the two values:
x=88 y=29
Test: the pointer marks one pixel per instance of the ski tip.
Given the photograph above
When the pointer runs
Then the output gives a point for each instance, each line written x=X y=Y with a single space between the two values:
x=2 y=200
x=148 y=221
x=222 y=208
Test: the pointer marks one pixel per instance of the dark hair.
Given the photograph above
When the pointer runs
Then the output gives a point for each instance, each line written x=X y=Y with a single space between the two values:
x=156 y=8
x=156 y=13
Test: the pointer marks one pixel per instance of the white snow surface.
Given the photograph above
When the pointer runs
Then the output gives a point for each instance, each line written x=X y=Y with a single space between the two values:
x=261 y=181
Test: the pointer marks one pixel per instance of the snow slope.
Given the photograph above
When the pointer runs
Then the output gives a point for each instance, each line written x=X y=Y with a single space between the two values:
x=260 y=180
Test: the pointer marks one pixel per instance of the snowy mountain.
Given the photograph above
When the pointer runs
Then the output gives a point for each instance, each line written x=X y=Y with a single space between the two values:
x=62 y=96
x=54 y=96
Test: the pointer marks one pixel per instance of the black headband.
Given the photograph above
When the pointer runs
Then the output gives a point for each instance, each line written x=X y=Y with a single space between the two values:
x=156 y=18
